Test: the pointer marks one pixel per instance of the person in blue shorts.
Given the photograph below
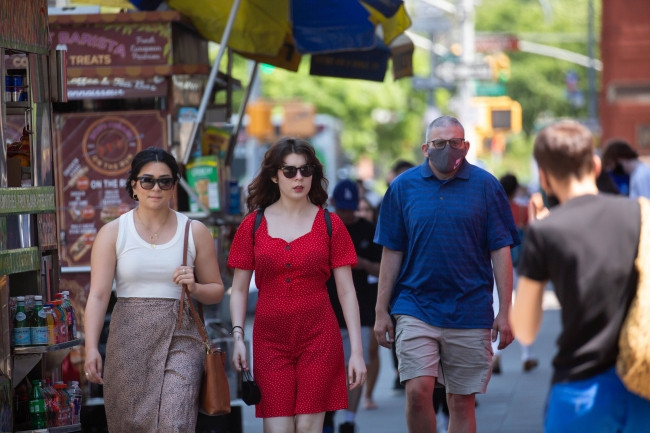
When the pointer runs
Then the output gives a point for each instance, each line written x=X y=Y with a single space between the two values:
x=446 y=229
x=586 y=247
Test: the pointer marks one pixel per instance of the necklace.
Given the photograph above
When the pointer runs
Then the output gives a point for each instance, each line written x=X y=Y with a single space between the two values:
x=153 y=236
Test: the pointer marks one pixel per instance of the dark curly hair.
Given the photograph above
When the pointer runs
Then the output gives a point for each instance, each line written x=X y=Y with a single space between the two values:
x=144 y=157
x=263 y=192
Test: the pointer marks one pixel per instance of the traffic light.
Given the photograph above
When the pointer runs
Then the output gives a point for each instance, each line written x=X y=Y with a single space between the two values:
x=497 y=114
x=499 y=66
x=259 y=119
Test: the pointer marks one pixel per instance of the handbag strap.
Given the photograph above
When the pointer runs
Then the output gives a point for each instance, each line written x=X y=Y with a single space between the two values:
x=186 y=293
x=643 y=253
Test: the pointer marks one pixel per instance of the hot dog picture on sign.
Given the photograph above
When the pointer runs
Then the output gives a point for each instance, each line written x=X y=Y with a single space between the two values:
x=94 y=157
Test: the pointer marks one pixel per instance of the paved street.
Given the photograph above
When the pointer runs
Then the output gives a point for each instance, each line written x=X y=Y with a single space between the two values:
x=514 y=402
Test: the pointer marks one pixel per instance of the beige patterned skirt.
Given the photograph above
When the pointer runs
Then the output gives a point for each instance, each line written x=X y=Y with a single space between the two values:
x=153 y=371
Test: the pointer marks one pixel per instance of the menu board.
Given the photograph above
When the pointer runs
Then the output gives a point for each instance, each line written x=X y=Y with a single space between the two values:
x=93 y=158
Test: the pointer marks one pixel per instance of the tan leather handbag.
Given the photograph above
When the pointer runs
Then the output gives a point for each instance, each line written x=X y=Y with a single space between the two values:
x=633 y=362
x=214 y=398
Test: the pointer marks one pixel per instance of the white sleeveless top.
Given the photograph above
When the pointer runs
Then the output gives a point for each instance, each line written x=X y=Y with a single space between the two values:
x=145 y=271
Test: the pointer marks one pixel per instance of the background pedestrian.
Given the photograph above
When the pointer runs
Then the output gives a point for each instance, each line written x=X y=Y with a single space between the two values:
x=345 y=199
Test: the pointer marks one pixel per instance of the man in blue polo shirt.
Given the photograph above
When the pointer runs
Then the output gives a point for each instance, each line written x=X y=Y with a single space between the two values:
x=446 y=229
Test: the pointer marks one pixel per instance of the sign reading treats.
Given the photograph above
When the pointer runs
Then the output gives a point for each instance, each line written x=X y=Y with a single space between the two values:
x=126 y=55
x=93 y=162
x=114 y=44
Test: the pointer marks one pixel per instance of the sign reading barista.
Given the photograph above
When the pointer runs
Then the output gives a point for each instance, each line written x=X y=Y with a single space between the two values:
x=115 y=44
x=109 y=145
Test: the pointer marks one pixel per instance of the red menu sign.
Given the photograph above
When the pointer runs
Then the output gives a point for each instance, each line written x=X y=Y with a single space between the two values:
x=93 y=160
x=115 y=44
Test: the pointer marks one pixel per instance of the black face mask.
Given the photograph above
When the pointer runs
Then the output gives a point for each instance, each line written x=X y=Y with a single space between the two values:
x=446 y=160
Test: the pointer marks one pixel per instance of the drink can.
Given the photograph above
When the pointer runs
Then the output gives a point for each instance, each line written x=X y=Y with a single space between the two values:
x=234 y=197
x=9 y=88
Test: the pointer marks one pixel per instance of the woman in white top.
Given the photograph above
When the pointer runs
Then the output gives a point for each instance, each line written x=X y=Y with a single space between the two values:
x=153 y=370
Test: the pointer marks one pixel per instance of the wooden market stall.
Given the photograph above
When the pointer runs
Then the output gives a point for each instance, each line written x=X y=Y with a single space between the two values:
x=29 y=254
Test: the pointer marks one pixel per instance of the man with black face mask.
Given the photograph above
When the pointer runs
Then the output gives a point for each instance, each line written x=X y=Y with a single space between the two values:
x=446 y=228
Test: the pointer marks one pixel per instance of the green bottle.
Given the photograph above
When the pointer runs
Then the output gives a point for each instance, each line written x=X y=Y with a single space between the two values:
x=22 y=333
x=37 y=411
x=38 y=324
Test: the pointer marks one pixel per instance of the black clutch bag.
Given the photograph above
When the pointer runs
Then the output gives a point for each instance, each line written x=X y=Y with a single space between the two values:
x=250 y=391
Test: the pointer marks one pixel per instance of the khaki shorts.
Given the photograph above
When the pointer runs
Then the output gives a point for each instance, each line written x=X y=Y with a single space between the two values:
x=460 y=359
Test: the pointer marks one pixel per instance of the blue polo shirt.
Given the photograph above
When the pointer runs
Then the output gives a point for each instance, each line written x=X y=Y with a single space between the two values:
x=446 y=230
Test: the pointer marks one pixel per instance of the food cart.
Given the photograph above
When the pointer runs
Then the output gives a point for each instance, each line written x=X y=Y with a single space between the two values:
x=29 y=255
x=134 y=80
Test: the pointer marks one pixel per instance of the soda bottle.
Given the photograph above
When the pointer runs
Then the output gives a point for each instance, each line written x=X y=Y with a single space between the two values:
x=63 y=416
x=61 y=322
x=52 y=404
x=37 y=413
x=38 y=325
x=76 y=394
x=72 y=322
x=22 y=333
x=50 y=319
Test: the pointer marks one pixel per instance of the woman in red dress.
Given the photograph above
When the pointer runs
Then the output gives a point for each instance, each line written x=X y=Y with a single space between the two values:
x=299 y=364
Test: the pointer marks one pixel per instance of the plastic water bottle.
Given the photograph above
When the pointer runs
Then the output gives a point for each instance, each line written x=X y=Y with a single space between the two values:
x=50 y=319
x=51 y=403
x=76 y=395
x=64 y=416
x=22 y=333
x=70 y=316
x=61 y=322
x=37 y=412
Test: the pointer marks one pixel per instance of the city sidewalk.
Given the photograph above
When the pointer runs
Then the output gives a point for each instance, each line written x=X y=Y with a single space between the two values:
x=514 y=402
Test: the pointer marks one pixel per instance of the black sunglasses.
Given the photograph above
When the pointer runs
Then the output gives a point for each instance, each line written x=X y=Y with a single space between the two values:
x=290 y=171
x=148 y=182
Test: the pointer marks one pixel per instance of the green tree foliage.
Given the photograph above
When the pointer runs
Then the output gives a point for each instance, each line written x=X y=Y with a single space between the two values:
x=384 y=121
x=381 y=120
x=539 y=82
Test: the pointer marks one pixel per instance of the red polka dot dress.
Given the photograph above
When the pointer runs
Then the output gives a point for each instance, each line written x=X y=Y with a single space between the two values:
x=298 y=353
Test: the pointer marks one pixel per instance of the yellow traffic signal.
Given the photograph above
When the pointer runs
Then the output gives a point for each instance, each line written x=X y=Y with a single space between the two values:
x=499 y=66
x=497 y=114
x=259 y=119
